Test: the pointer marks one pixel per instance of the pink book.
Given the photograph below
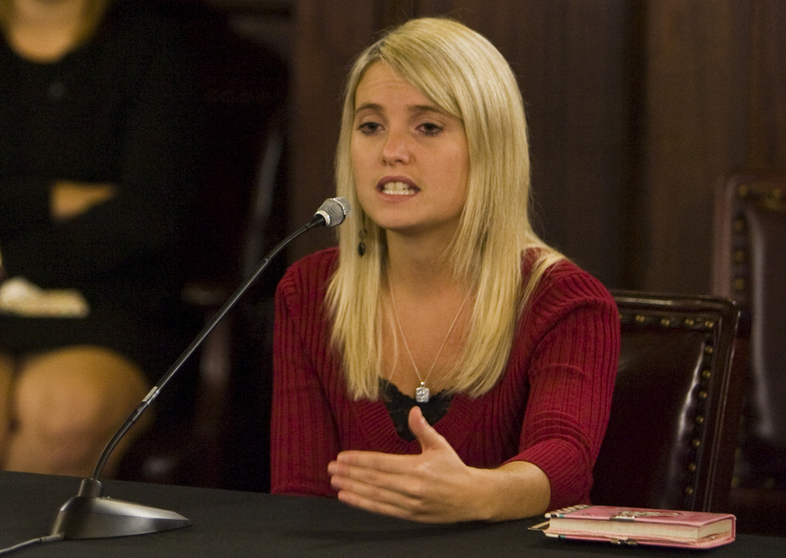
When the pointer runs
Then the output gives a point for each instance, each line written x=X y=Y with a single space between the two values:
x=685 y=529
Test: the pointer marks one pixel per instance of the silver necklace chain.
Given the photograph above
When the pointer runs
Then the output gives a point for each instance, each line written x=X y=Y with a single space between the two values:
x=422 y=392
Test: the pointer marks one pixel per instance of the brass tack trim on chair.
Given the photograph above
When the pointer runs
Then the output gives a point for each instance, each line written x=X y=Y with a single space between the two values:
x=765 y=195
x=693 y=322
x=699 y=418
x=701 y=397
x=743 y=190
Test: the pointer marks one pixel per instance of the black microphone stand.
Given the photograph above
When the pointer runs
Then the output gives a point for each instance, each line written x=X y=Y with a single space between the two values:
x=89 y=515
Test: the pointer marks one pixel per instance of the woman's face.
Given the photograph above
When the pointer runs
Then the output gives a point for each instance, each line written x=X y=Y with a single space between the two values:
x=410 y=158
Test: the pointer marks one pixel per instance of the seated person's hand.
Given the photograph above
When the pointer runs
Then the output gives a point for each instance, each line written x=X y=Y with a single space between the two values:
x=70 y=199
x=20 y=297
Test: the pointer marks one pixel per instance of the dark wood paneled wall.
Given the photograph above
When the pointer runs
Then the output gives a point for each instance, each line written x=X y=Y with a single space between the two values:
x=694 y=130
x=328 y=34
x=636 y=108
x=579 y=114
x=767 y=85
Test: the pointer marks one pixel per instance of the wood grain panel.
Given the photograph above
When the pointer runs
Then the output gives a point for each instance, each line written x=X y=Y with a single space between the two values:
x=768 y=86
x=695 y=117
x=328 y=35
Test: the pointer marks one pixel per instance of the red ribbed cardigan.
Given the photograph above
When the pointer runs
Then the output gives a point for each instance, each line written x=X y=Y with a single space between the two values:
x=550 y=407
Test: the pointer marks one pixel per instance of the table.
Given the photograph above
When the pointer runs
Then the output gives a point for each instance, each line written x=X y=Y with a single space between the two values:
x=229 y=524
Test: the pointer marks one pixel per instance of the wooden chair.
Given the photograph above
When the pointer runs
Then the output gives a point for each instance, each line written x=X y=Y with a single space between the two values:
x=749 y=266
x=672 y=431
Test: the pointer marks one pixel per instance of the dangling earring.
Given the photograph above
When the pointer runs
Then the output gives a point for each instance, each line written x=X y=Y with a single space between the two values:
x=362 y=245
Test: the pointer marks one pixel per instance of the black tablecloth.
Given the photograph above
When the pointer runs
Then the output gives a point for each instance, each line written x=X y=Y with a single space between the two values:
x=227 y=524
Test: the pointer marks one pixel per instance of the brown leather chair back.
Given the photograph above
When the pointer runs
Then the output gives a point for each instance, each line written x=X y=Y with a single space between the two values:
x=672 y=431
x=750 y=267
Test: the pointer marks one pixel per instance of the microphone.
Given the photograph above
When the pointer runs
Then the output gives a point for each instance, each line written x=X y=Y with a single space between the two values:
x=333 y=211
x=89 y=515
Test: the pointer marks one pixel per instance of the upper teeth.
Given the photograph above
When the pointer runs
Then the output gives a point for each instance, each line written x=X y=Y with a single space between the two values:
x=397 y=188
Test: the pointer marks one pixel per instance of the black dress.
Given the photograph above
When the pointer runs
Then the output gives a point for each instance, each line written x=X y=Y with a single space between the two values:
x=123 y=108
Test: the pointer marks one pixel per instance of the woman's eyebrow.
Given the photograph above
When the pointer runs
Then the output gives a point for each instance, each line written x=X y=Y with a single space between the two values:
x=411 y=108
x=427 y=108
x=368 y=106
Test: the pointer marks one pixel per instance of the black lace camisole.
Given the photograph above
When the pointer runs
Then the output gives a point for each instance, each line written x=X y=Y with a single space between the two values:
x=398 y=406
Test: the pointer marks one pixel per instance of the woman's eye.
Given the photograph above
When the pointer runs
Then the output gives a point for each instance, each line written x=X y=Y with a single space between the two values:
x=368 y=127
x=430 y=129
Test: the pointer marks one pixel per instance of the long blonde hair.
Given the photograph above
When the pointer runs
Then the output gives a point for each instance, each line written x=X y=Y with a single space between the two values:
x=463 y=73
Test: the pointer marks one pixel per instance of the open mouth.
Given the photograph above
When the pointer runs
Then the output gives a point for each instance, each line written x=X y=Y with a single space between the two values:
x=398 y=189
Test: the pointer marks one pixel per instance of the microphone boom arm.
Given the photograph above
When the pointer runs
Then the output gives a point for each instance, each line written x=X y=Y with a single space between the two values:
x=217 y=317
x=89 y=515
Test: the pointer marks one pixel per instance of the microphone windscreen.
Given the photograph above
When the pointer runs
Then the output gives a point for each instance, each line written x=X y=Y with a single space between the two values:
x=334 y=211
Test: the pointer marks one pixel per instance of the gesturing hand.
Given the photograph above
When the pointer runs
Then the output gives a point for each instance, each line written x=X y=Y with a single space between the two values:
x=434 y=486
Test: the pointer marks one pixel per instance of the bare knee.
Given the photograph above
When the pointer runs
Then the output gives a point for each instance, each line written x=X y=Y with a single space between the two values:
x=67 y=405
x=6 y=378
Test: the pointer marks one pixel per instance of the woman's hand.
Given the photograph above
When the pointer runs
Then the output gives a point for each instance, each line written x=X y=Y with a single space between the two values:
x=69 y=199
x=436 y=486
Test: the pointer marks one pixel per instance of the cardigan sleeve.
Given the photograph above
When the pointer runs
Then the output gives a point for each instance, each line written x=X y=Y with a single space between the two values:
x=574 y=328
x=304 y=436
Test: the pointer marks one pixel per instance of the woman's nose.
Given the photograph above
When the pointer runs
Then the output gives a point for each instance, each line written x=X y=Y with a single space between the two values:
x=396 y=148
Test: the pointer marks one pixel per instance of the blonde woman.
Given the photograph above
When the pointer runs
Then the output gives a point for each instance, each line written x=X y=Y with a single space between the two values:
x=98 y=131
x=443 y=364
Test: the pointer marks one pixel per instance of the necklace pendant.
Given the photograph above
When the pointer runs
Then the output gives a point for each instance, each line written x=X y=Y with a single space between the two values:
x=422 y=393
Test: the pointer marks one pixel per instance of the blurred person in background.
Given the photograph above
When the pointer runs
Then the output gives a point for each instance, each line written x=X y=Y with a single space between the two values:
x=99 y=149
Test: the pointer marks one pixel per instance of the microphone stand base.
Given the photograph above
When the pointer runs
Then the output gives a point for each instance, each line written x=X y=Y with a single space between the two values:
x=95 y=517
